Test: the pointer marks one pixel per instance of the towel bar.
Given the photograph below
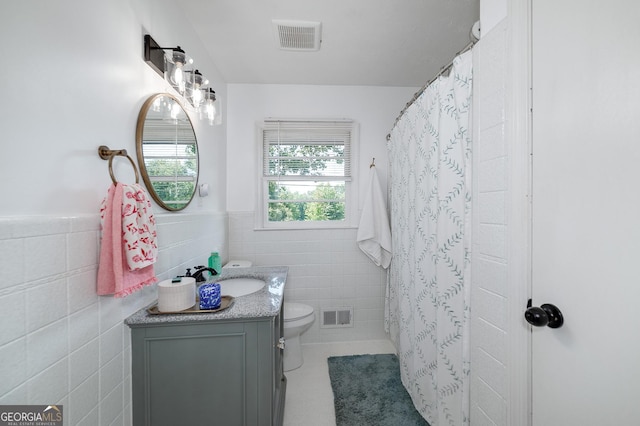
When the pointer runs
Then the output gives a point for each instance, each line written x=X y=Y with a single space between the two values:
x=107 y=154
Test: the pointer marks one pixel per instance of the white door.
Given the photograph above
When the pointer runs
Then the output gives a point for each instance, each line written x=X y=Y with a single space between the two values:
x=586 y=211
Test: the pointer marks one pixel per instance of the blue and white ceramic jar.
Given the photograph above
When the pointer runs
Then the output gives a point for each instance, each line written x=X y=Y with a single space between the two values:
x=209 y=296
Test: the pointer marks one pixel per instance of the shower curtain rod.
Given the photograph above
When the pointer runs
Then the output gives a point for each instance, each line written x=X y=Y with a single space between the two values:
x=423 y=88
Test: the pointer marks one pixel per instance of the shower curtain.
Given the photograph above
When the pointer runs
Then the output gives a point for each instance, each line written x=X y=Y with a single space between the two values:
x=427 y=301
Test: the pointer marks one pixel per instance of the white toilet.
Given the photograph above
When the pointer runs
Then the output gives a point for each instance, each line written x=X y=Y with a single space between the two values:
x=298 y=317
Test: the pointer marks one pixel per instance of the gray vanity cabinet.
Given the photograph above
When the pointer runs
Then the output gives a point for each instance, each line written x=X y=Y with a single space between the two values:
x=222 y=372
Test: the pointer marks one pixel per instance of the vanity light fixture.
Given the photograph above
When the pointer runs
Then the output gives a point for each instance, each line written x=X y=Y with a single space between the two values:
x=173 y=64
x=197 y=83
x=211 y=109
x=178 y=59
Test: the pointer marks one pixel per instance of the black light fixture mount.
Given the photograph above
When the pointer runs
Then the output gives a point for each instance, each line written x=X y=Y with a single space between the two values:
x=155 y=57
x=153 y=54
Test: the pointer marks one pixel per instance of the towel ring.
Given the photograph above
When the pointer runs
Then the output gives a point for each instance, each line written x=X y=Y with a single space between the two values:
x=105 y=153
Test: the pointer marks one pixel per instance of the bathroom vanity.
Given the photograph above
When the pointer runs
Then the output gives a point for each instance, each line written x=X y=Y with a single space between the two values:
x=222 y=368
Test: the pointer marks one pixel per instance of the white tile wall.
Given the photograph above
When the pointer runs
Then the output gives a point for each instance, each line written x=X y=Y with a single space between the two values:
x=326 y=270
x=60 y=343
x=489 y=290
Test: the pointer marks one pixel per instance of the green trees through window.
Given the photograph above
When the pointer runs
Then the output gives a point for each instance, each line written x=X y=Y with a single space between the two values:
x=299 y=198
x=173 y=177
x=322 y=202
x=306 y=179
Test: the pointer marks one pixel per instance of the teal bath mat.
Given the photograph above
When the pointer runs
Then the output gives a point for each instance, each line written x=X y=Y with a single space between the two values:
x=367 y=391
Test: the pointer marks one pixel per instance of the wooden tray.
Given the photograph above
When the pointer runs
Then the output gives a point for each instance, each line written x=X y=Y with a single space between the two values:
x=225 y=303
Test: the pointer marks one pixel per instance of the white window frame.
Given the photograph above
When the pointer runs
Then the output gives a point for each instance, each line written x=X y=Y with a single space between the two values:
x=351 y=185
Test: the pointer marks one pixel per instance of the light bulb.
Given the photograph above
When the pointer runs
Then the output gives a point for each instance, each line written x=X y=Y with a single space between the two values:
x=177 y=77
x=211 y=107
x=196 y=91
x=175 y=110
x=197 y=97
x=211 y=111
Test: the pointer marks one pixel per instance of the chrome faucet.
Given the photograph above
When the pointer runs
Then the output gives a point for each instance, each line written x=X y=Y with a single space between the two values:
x=199 y=273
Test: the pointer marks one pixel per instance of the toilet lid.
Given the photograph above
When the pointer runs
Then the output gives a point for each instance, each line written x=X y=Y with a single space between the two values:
x=294 y=311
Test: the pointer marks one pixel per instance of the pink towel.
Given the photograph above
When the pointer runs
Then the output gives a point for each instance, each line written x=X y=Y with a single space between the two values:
x=138 y=228
x=114 y=275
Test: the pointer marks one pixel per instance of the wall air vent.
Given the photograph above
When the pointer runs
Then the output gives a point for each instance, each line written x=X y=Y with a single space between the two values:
x=297 y=35
x=337 y=317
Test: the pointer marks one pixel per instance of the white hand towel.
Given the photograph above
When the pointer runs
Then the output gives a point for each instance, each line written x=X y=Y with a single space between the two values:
x=374 y=234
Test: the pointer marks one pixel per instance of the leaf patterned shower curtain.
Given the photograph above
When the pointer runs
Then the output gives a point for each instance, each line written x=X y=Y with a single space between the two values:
x=427 y=302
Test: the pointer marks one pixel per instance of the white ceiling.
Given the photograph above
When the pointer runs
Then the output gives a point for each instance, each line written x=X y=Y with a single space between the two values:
x=364 y=42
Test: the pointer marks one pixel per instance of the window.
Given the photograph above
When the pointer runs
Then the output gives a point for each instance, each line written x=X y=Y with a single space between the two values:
x=306 y=174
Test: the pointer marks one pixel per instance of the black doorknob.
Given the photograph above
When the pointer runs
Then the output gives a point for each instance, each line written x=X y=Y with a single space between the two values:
x=547 y=314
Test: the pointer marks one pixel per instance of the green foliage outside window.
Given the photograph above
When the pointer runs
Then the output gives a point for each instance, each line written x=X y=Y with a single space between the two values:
x=306 y=200
x=324 y=202
x=163 y=173
x=296 y=159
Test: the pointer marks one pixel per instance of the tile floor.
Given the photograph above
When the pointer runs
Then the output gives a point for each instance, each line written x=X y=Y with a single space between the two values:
x=309 y=399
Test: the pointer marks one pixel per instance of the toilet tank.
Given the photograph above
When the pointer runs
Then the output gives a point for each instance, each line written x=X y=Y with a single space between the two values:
x=238 y=264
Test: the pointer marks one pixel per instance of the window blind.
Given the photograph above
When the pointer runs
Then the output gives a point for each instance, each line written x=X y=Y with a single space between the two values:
x=305 y=150
x=168 y=131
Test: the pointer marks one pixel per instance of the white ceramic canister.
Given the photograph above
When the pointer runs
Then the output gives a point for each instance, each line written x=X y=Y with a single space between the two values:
x=176 y=296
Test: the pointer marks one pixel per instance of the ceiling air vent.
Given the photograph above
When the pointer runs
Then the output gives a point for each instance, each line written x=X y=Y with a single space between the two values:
x=297 y=35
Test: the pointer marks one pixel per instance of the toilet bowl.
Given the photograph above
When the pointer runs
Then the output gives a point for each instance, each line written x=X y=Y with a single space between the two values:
x=298 y=317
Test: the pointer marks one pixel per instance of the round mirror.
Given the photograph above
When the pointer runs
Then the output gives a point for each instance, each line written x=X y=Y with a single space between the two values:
x=167 y=151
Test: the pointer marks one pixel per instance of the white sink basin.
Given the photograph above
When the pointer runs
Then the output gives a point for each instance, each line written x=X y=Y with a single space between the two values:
x=237 y=287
